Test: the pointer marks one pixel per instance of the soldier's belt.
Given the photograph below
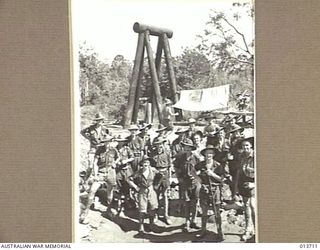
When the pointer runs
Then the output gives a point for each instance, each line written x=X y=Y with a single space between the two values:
x=104 y=168
x=162 y=169
x=137 y=154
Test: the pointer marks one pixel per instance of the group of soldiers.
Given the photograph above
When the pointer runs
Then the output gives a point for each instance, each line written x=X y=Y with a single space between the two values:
x=210 y=166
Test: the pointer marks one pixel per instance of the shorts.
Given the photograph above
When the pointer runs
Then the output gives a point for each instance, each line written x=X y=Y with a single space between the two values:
x=109 y=176
x=190 y=192
x=147 y=197
x=162 y=181
x=246 y=192
x=210 y=196
x=123 y=179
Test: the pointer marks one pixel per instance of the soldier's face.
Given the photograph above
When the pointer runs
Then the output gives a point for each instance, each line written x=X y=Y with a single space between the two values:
x=146 y=164
x=160 y=148
x=246 y=146
x=209 y=155
x=197 y=139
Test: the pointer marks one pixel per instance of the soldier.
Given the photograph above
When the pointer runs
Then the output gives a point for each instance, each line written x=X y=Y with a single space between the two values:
x=94 y=134
x=245 y=185
x=212 y=126
x=146 y=138
x=124 y=169
x=234 y=154
x=230 y=124
x=176 y=149
x=161 y=136
x=142 y=181
x=168 y=114
x=192 y=128
x=211 y=175
x=84 y=189
x=198 y=142
x=220 y=143
x=163 y=163
x=135 y=143
x=190 y=183
x=176 y=146
x=104 y=173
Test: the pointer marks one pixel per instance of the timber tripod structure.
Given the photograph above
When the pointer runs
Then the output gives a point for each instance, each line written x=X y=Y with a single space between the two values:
x=145 y=31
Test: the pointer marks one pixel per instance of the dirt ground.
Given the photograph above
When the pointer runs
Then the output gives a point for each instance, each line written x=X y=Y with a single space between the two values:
x=124 y=228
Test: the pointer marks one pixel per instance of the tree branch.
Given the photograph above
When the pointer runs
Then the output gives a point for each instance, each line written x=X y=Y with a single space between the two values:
x=242 y=61
x=236 y=30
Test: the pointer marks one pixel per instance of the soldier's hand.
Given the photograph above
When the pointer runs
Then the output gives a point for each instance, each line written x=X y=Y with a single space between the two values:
x=249 y=185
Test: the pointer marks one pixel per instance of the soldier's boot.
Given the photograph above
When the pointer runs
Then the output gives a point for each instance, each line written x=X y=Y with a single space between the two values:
x=219 y=227
x=84 y=215
x=141 y=221
x=186 y=227
x=193 y=211
x=152 y=215
x=204 y=219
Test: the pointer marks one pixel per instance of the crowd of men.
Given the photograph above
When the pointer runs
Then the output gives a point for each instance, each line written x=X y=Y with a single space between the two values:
x=211 y=166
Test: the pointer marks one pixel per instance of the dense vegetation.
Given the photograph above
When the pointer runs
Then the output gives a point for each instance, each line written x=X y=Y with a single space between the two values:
x=224 y=55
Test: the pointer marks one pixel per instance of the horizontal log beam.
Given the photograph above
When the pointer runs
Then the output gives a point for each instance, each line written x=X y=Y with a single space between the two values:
x=155 y=31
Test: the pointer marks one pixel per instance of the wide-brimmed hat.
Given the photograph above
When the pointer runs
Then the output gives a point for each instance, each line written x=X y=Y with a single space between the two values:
x=191 y=121
x=188 y=142
x=229 y=117
x=161 y=128
x=133 y=127
x=211 y=128
x=159 y=140
x=107 y=138
x=209 y=147
x=181 y=131
x=247 y=138
x=215 y=133
x=98 y=117
x=198 y=132
x=121 y=139
x=146 y=158
x=236 y=128
x=146 y=125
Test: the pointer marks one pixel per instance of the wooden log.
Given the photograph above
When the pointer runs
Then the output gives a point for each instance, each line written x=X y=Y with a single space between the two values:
x=148 y=113
x=154 y=75
x=172 y=78
x=158 y=69
x=171 y=74
x=159 y=56
x=138 y=90
x=154 y=31
x=134 y=81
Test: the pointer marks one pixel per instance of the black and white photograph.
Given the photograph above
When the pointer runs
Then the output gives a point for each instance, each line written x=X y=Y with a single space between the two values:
x=165 y=121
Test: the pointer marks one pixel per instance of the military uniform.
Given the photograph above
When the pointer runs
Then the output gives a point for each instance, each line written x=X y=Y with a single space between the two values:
x=210 y=192
x=246 y=187
x=143 y=179
x=162 y=163
x=94 y=134
x=135 y=143
x=104 y=173
x=146 y=195
x=190 y=186
x=124 y=169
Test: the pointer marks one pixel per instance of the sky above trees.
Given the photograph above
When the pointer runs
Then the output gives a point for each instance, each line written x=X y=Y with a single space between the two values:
x=106 y=25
